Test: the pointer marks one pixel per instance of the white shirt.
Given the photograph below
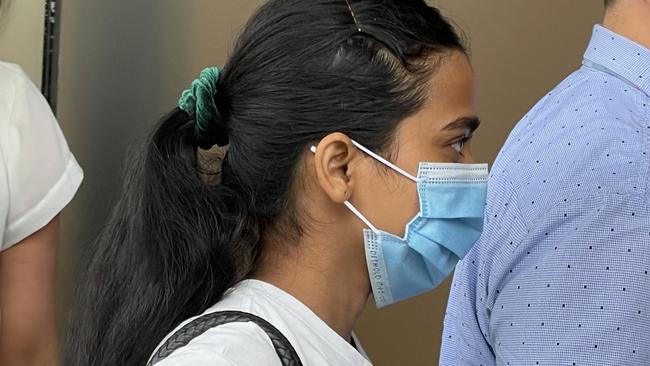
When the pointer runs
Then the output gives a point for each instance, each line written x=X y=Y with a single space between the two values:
x=38 y=174
x=246 y=344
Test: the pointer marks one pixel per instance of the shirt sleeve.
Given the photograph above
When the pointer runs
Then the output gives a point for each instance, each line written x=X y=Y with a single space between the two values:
x=466 y=332
x=41 y=174
x=572 y=290
x=463 y=340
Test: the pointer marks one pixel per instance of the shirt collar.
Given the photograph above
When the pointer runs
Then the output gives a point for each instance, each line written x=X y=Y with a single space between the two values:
x=624 y=58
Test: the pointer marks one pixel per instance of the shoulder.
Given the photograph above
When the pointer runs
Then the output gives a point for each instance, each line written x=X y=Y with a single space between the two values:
x=588 y=135
x=239 y=343
x=9 y=71
x=20 y=99
x=228 y=344
x=11 y=81
x=583 y=104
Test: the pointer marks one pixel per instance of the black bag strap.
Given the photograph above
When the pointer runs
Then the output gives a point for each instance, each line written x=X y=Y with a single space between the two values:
x=200 y=325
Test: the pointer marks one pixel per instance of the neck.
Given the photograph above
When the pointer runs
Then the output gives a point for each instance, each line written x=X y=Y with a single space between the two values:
x=631 y=21
x=330 y=282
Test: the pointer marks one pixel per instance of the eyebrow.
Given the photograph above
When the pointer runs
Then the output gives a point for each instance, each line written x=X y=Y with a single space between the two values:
x=468 y=123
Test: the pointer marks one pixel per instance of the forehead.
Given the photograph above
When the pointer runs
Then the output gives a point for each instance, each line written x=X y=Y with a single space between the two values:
x=450 y=96
x=451 y=85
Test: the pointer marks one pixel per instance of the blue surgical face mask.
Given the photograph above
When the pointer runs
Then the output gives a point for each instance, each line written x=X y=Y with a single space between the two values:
x=452 y=203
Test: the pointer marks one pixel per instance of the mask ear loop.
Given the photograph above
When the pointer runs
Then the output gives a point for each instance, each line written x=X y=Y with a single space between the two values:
x=399 y=170
x=385 y=162
x=358 y=214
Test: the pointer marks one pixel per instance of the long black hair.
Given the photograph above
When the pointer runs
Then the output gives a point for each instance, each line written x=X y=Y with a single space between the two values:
x=301 y=69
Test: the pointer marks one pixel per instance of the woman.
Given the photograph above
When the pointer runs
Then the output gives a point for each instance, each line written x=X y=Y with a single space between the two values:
x=38 y=178
x=326 y=109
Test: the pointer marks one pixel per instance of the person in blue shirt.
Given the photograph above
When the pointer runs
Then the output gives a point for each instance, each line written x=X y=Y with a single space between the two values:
x=560 y=275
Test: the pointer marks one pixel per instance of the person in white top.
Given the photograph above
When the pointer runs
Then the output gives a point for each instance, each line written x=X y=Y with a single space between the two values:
x=38 y=178
x=257 y=219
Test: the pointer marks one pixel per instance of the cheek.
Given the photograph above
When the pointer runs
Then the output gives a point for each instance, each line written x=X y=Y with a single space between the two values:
x=397 y=204
x=443 y=155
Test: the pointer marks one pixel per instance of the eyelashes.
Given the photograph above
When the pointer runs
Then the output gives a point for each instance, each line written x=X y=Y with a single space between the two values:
x=459 y=145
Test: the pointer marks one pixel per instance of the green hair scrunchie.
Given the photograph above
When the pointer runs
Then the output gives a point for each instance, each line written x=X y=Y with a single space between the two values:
x=199 y=101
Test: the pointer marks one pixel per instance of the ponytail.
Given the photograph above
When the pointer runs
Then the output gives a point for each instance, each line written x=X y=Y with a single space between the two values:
x=173 y=245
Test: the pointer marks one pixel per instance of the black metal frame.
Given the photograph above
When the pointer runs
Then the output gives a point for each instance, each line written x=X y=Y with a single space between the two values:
x=50 y=76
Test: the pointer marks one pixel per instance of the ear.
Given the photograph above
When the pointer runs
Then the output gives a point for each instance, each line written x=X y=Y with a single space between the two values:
x=333 y=162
